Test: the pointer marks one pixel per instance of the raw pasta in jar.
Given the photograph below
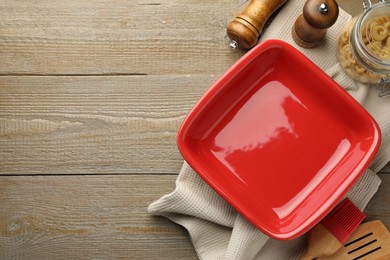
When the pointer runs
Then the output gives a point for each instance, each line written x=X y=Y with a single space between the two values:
x=375 y=37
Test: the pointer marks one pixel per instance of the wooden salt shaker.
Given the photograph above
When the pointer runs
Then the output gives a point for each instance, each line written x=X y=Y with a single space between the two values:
x=246 y=28
x=310 y=28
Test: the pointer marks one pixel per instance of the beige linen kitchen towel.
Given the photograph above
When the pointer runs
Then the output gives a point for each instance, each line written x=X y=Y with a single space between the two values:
x=216 y=229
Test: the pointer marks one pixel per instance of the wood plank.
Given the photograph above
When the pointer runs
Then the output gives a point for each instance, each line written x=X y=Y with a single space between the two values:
x=379 y=205
x=116 y=37
x=88 y=217
x=92 y=125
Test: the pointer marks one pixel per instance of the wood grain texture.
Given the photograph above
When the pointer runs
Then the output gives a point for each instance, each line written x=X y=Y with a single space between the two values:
x=98 y=123
x=87 y=217
x=91 y=97
x=89 y=125
x=115 y=37
x=100 y=217
x=95 y=125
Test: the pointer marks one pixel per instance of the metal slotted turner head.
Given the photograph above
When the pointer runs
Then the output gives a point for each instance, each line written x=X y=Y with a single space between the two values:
x=371 y=240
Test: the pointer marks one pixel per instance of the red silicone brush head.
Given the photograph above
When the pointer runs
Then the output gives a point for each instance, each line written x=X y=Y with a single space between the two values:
x=343 y=220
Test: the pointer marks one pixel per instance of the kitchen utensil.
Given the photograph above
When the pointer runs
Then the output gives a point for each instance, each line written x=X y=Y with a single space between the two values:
x=333 y=231
x=371 y=240
x=245 y=29
x=275 y=105
x=310 y=28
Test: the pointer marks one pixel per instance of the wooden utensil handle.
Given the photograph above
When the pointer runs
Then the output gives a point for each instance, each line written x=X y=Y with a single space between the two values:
x=246 y=28
x=320 y=242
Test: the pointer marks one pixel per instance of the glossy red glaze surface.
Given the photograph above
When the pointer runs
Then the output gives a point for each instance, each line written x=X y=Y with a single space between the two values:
x=279 y=139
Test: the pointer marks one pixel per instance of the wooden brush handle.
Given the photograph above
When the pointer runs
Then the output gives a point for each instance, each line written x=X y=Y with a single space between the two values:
x=311 y=26
x=320 y=243
x=246 y=28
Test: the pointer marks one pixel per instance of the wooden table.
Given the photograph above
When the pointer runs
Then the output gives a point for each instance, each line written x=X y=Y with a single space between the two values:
x=91 y=97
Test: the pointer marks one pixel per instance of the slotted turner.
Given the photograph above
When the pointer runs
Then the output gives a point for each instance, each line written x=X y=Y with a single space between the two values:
x=371 y=240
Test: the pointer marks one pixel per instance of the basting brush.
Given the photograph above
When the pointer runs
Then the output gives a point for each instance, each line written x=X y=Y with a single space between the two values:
x=333 y=231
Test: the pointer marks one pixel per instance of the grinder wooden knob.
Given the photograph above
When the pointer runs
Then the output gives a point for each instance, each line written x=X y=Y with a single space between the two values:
x=246 y=28
x=310 y=27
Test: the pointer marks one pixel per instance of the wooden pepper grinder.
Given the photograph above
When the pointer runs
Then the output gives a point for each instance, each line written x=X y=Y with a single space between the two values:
x=310 y=27
x=246 y=28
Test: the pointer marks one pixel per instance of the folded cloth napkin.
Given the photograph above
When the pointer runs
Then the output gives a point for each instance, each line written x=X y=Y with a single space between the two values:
x=216 y=229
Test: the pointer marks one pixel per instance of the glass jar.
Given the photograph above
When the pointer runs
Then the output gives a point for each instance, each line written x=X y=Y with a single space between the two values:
x=364 y=46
